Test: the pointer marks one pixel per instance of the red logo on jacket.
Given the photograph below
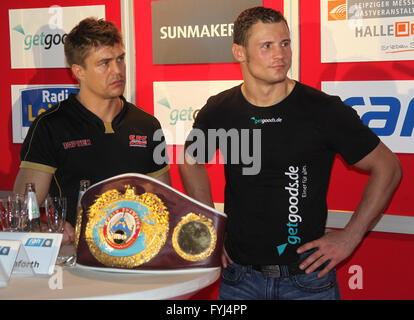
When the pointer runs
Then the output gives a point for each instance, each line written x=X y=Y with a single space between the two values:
x=76 y=143
x=137 y=141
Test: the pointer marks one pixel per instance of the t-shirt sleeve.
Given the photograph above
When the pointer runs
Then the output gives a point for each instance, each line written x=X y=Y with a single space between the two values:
x=160 y=163
x=346 y=133
x=38 y=151
x=198 y=145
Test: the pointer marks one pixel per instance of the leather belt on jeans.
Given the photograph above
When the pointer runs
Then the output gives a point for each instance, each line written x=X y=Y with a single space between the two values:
x=275 y=270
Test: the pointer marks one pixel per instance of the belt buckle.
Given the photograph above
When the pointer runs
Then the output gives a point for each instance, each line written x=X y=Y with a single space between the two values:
x=271 y=271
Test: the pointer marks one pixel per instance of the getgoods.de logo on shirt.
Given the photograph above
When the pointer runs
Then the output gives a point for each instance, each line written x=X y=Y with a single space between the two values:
x=296 y=187
x=263 y=121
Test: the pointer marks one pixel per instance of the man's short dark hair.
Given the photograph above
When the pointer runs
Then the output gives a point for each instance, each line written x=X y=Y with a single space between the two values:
x=251 y=16
x=90 y=33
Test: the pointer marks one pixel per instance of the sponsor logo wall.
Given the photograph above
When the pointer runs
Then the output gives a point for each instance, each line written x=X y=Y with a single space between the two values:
x=367 y=30
x=176 y=109
x=29 y=101
x=195 y=31
x=189 y=32
x=36 y=41
x=37 y=35
x=387 y=107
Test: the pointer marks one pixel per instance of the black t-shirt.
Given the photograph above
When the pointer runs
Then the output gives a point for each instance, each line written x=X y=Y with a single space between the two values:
x=73 y=144
x=278 y=162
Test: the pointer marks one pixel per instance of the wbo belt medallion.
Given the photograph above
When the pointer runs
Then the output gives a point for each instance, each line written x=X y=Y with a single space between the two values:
x=132 y=221
x=121 y=228
x=126 y=226
x=194 y=237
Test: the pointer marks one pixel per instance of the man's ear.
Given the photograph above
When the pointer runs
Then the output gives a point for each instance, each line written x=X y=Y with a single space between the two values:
x=239 y=52
x=78 y=71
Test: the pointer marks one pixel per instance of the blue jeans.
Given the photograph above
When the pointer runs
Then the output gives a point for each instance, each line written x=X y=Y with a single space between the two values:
x=244 y=283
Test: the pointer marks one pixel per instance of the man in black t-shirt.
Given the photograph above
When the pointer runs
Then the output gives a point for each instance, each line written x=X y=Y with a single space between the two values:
x=95 y=134
x=279 y=139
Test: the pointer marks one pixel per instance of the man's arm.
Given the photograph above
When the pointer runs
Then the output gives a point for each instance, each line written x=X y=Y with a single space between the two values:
x=40 y=179
x=165 y=178
x=385 y=175
x=196 y=183
x=42 y=183
x=195 y=179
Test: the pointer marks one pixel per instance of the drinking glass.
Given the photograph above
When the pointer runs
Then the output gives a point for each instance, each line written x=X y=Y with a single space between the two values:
x=4 y=216
x=55 y=209
x=11 y=211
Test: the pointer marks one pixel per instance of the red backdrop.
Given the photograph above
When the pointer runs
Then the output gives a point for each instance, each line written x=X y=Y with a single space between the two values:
x=382 y=256
x=379 y=251
x=9 y=159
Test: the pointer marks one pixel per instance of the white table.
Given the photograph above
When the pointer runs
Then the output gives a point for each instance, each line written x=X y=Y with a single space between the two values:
x=81 y=283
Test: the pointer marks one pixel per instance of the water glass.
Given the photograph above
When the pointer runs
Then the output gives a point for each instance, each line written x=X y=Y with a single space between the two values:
x=55 y=209
x=11 y=212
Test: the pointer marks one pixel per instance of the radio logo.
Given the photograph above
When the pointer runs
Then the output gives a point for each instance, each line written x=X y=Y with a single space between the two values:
x=38 y=100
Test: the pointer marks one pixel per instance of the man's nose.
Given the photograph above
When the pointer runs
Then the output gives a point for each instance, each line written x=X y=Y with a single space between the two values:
x=117 y=67
x=277 y=52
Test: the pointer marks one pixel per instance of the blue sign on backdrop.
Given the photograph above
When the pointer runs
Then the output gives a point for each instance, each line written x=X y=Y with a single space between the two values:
x=38 y=100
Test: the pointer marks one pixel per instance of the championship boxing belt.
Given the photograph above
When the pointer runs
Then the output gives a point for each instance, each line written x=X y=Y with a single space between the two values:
x=132 y=221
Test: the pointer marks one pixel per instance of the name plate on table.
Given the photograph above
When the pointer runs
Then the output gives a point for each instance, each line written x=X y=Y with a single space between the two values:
x=9 y=251
x=36 y=253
